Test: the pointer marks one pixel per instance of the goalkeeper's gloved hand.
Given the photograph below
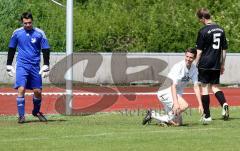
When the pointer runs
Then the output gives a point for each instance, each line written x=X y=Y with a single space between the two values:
x=44 y=71
x=10 y=70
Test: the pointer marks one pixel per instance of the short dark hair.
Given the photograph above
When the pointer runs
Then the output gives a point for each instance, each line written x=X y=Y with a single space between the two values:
x=203 y=13
x=26 y=15
x=192 y=50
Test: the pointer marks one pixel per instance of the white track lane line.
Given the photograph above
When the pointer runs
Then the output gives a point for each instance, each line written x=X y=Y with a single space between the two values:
x=85 y=93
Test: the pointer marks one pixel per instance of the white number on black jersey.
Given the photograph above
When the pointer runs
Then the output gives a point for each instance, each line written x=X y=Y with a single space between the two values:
x=216 y=40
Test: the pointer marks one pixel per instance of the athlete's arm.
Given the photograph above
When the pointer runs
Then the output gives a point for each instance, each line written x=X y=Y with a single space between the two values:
x=223 y=57
x=46 y=56
x=199 y=46
x=10 y=56
x=198 y=95
x=44 y=71
x=176 y=107
x=199 y=53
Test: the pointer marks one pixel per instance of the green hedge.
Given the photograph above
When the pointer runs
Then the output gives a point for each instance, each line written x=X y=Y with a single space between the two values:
x=123 y=25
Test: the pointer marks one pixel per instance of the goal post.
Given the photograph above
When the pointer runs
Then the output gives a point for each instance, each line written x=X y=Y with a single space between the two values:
x=69 y=51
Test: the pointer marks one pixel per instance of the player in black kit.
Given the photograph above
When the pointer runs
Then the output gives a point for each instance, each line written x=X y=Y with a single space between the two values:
x=211 y=47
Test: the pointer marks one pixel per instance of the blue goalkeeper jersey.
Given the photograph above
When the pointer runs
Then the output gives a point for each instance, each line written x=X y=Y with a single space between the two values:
x=29 y=44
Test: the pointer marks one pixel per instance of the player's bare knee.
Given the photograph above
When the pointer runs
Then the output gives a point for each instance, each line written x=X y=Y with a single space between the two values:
x=21 y=91
x=37 y=93
x=205 y=89
x=215 y=88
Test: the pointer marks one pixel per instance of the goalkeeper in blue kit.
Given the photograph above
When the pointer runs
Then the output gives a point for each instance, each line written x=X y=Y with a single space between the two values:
x=30 y=42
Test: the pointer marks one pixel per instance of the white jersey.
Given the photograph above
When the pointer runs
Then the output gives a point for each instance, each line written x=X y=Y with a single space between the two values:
x=181 y=75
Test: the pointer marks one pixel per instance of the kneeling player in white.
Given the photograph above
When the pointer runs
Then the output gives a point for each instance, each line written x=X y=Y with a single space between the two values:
x=171 y=98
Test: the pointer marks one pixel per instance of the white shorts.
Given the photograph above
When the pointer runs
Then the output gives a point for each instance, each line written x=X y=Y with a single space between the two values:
x=165 y=96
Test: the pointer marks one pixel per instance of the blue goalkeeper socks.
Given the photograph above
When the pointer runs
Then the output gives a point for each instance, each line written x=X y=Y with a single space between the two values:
x=36 y=105
x=21 y=106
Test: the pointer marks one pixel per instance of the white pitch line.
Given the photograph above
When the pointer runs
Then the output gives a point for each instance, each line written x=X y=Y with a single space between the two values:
x=85 y=93
x=119 y=134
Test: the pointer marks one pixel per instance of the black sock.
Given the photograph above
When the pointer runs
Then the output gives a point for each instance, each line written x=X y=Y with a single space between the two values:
x=205 y=103
x=220 y=97
x=36 y=105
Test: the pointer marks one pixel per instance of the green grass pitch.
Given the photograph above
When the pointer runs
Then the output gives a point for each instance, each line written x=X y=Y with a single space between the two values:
x=120 y=131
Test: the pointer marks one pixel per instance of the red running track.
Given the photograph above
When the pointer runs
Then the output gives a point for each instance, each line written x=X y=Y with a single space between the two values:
x=54 y=104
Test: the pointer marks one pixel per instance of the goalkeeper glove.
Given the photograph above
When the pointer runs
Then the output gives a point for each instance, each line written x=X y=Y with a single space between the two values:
x=10 y=70
x=44 y=71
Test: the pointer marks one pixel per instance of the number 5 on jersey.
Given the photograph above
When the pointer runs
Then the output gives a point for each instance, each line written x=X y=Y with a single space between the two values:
x=216 y=40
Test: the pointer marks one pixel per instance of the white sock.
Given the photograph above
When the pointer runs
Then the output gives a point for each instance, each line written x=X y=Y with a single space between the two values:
x=161 y=118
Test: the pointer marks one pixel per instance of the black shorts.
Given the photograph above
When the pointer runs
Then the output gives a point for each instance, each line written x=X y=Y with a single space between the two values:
x=208 y=76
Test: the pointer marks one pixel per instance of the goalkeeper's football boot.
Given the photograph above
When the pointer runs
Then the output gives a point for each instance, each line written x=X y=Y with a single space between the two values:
x=21 y=119
x=40 y=116
x=147 y=118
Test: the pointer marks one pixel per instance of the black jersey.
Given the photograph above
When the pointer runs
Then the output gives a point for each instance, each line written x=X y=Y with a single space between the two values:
x=211 y=40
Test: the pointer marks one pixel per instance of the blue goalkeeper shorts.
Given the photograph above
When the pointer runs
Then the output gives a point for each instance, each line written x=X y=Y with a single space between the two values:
x=27 y=76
